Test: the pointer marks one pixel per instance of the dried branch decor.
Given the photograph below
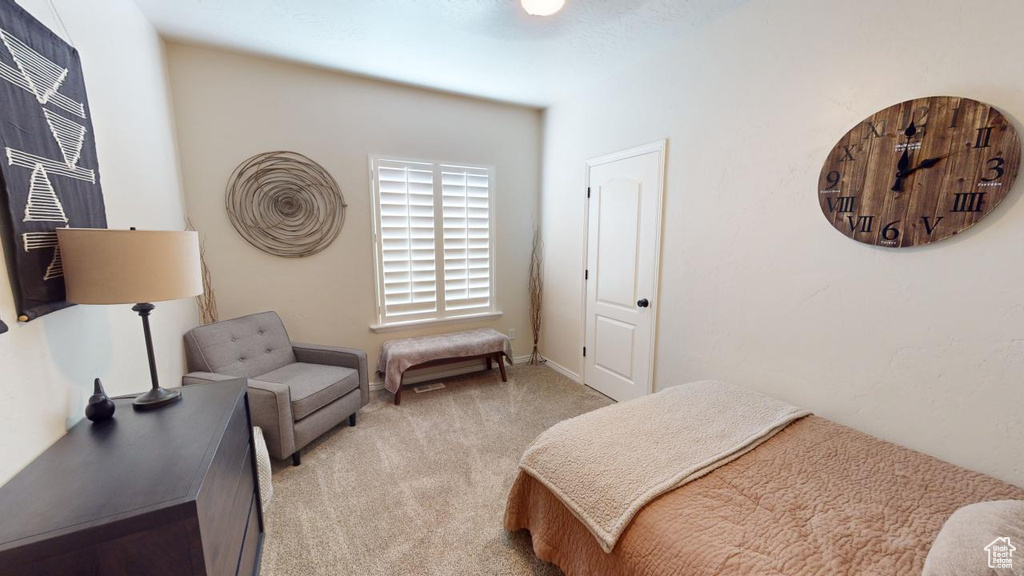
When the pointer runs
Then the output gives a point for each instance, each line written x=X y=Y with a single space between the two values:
x=536 y=292
x=207 y=301
x=285 y=204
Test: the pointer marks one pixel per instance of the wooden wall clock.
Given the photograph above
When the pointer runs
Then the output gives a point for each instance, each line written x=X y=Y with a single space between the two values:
x=919 y=171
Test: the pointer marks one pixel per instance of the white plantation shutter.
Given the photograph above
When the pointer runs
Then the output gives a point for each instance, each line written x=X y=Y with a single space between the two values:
x=408 y=272
x=434 y=240
x=466 y=208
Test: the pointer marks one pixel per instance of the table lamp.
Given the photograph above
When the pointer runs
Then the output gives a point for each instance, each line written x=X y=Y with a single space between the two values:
x=132 y=267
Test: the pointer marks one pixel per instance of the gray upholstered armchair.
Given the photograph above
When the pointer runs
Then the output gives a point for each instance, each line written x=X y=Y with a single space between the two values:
x=296 y=391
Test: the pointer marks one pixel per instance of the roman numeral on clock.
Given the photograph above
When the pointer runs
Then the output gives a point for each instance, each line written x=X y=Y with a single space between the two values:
x=875 y=130
x=841 y=203
x=984 y=135
x=929 y=226
x=968 y=201
x=847 y=154
x=862 y=222
x=956 y=116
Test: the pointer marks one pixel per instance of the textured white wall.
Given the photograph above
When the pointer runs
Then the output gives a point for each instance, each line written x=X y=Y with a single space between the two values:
x=923 y=346
x=229 y=107
x=48 y=364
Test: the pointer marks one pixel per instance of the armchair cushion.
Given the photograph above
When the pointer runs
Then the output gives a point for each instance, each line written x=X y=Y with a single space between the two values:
x=337 y=356
x=246 y=346
x=313 y=386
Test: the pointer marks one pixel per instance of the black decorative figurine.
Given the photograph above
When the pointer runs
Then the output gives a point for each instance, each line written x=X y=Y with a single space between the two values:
x=100 y=406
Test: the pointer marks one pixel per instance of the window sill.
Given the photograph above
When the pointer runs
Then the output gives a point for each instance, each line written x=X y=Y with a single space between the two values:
x=411 y=324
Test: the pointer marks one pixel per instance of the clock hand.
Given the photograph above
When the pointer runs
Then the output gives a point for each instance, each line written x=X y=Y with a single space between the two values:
x=904 y=159
x=903 y=173
x=901 y=168
x=904 y=163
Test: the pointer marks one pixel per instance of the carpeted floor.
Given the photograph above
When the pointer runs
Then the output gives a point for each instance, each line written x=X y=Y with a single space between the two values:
x=419 y=488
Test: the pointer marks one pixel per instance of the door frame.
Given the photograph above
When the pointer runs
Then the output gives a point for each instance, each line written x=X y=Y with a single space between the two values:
x=659 y=146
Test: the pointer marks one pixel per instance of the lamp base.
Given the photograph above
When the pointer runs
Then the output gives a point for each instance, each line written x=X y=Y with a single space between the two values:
x=156 y=398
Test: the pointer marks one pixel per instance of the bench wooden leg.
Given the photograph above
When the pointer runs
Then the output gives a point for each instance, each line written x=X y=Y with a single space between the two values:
x=398 y=394
x=501 y=366
x=489 y=363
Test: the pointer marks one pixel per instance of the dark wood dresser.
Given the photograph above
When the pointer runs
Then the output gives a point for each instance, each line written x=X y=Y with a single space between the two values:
x=165 y=492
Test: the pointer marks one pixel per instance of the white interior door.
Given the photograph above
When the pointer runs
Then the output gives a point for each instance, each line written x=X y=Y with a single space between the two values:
x=623 y=241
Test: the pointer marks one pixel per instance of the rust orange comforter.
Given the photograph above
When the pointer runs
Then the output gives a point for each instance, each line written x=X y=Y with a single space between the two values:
x=818 y=498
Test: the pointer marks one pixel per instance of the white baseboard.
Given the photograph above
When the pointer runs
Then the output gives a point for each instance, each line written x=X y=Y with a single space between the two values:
x=417 y=376
x=563 y=370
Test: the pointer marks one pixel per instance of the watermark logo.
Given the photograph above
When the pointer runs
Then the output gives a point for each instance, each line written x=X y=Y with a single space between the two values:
x=1000 y=553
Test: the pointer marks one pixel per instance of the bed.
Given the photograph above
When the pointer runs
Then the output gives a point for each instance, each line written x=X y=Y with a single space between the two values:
x=815 y=498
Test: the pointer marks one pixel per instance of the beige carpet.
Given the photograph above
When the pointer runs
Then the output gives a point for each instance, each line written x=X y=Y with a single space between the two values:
x=419 y=488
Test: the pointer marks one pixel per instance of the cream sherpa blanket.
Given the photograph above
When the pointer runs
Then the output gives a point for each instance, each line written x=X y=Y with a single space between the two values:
x=608 y=464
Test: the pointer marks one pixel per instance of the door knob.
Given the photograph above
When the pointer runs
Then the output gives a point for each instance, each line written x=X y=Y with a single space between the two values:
x=643 y=303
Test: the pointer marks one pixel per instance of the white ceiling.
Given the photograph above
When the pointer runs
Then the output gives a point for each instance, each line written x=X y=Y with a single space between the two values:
x=486 y=48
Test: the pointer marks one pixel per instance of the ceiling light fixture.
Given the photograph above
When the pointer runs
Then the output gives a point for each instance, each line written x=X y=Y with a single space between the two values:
x=542 y=7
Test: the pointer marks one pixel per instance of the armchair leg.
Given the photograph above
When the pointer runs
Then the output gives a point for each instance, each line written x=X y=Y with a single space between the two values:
x=296 y=458
x=352 y=420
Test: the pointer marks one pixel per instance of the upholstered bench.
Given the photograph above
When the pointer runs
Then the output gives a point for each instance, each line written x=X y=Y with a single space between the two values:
x=397 y=356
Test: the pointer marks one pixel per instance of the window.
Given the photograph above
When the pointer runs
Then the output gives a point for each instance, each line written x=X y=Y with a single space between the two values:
x=434 y=240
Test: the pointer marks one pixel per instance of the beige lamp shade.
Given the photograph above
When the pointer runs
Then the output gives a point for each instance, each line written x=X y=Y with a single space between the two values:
x=129 y=266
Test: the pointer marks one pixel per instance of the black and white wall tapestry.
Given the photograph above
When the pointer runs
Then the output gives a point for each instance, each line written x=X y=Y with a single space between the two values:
x=48 y=162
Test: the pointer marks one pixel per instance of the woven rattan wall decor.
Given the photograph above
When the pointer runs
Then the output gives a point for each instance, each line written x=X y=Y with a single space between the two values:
x=285 y=204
